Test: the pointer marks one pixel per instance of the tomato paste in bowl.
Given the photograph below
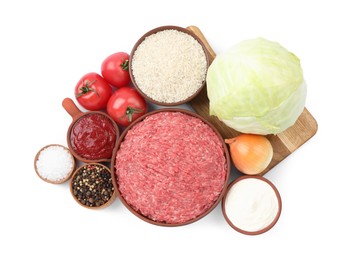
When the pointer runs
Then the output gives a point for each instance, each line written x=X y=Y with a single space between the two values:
x=92 y=136
x=170 y=167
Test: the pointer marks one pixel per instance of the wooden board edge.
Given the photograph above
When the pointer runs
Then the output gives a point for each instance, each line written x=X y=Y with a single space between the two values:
x=304 y=128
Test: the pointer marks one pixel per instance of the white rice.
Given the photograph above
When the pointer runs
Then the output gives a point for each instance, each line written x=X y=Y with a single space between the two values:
x=169 y=66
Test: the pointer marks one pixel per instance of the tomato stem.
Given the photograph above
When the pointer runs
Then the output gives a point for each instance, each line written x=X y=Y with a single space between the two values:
x=124 y=65
x=86 y=87
x=130 y=111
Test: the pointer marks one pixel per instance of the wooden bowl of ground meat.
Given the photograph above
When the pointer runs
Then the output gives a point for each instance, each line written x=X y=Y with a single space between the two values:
x=170 y=167
x=168 y=65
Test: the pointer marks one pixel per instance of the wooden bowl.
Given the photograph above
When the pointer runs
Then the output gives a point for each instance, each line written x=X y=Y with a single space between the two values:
x=104 y=205
x=163 y=28
x=115 y=179
x=76 y=114
x=69 y=174
x=265 y=229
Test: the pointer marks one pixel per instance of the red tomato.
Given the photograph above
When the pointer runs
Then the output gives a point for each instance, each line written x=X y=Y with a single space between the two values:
x=126 y=105
x=93 y=92
x=115 y=69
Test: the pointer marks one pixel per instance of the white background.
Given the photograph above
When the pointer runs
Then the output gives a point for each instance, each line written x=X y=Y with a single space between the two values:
x=46 y=46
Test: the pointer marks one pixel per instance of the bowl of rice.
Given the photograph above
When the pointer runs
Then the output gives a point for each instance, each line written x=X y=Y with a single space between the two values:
x=168 y=65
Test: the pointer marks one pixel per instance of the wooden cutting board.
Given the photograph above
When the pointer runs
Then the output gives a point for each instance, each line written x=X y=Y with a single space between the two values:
x=283 y=144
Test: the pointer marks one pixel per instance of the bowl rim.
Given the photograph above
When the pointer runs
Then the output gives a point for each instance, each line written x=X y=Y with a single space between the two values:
x=277 y=216
x=68 y=176
x=156 y=30
x=108 y=203
x=114 y=176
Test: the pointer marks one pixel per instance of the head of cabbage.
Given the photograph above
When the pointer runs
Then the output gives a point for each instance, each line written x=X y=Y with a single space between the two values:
x=256 y=87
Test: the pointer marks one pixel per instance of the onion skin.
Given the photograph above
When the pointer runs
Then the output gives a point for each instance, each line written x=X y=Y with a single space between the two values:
x=251 y=154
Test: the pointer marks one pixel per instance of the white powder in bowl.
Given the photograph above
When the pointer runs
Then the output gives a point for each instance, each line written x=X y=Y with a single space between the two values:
x=251 y=204
x=169 y=66
x=54 y=163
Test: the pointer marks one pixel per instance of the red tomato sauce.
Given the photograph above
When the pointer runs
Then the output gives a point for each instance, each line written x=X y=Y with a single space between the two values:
x=93 y=137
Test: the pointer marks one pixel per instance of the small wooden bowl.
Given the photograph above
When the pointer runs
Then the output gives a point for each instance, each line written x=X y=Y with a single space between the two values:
x=69 y=174
x=106 y=204
x=158 y=29
x=258 y=232
x=114 y=176
x=76 y=114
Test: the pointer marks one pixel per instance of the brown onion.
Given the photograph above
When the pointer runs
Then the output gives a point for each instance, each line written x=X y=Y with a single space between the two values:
x=251 y=154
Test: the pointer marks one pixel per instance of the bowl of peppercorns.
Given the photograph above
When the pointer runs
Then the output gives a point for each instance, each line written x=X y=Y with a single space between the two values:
x=92 y=187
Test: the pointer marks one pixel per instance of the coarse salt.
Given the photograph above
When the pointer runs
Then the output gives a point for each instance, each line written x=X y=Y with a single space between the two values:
x=169 y=66
x=54 y=163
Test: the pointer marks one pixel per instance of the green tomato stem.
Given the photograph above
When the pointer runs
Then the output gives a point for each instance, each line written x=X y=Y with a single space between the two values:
x=86 y=87
x=130 y=111
x=124 y=65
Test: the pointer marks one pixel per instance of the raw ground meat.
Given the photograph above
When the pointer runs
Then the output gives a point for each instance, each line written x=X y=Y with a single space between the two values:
x=171 y=167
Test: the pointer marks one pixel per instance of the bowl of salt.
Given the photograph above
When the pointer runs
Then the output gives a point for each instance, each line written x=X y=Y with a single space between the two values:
x=54 y=163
